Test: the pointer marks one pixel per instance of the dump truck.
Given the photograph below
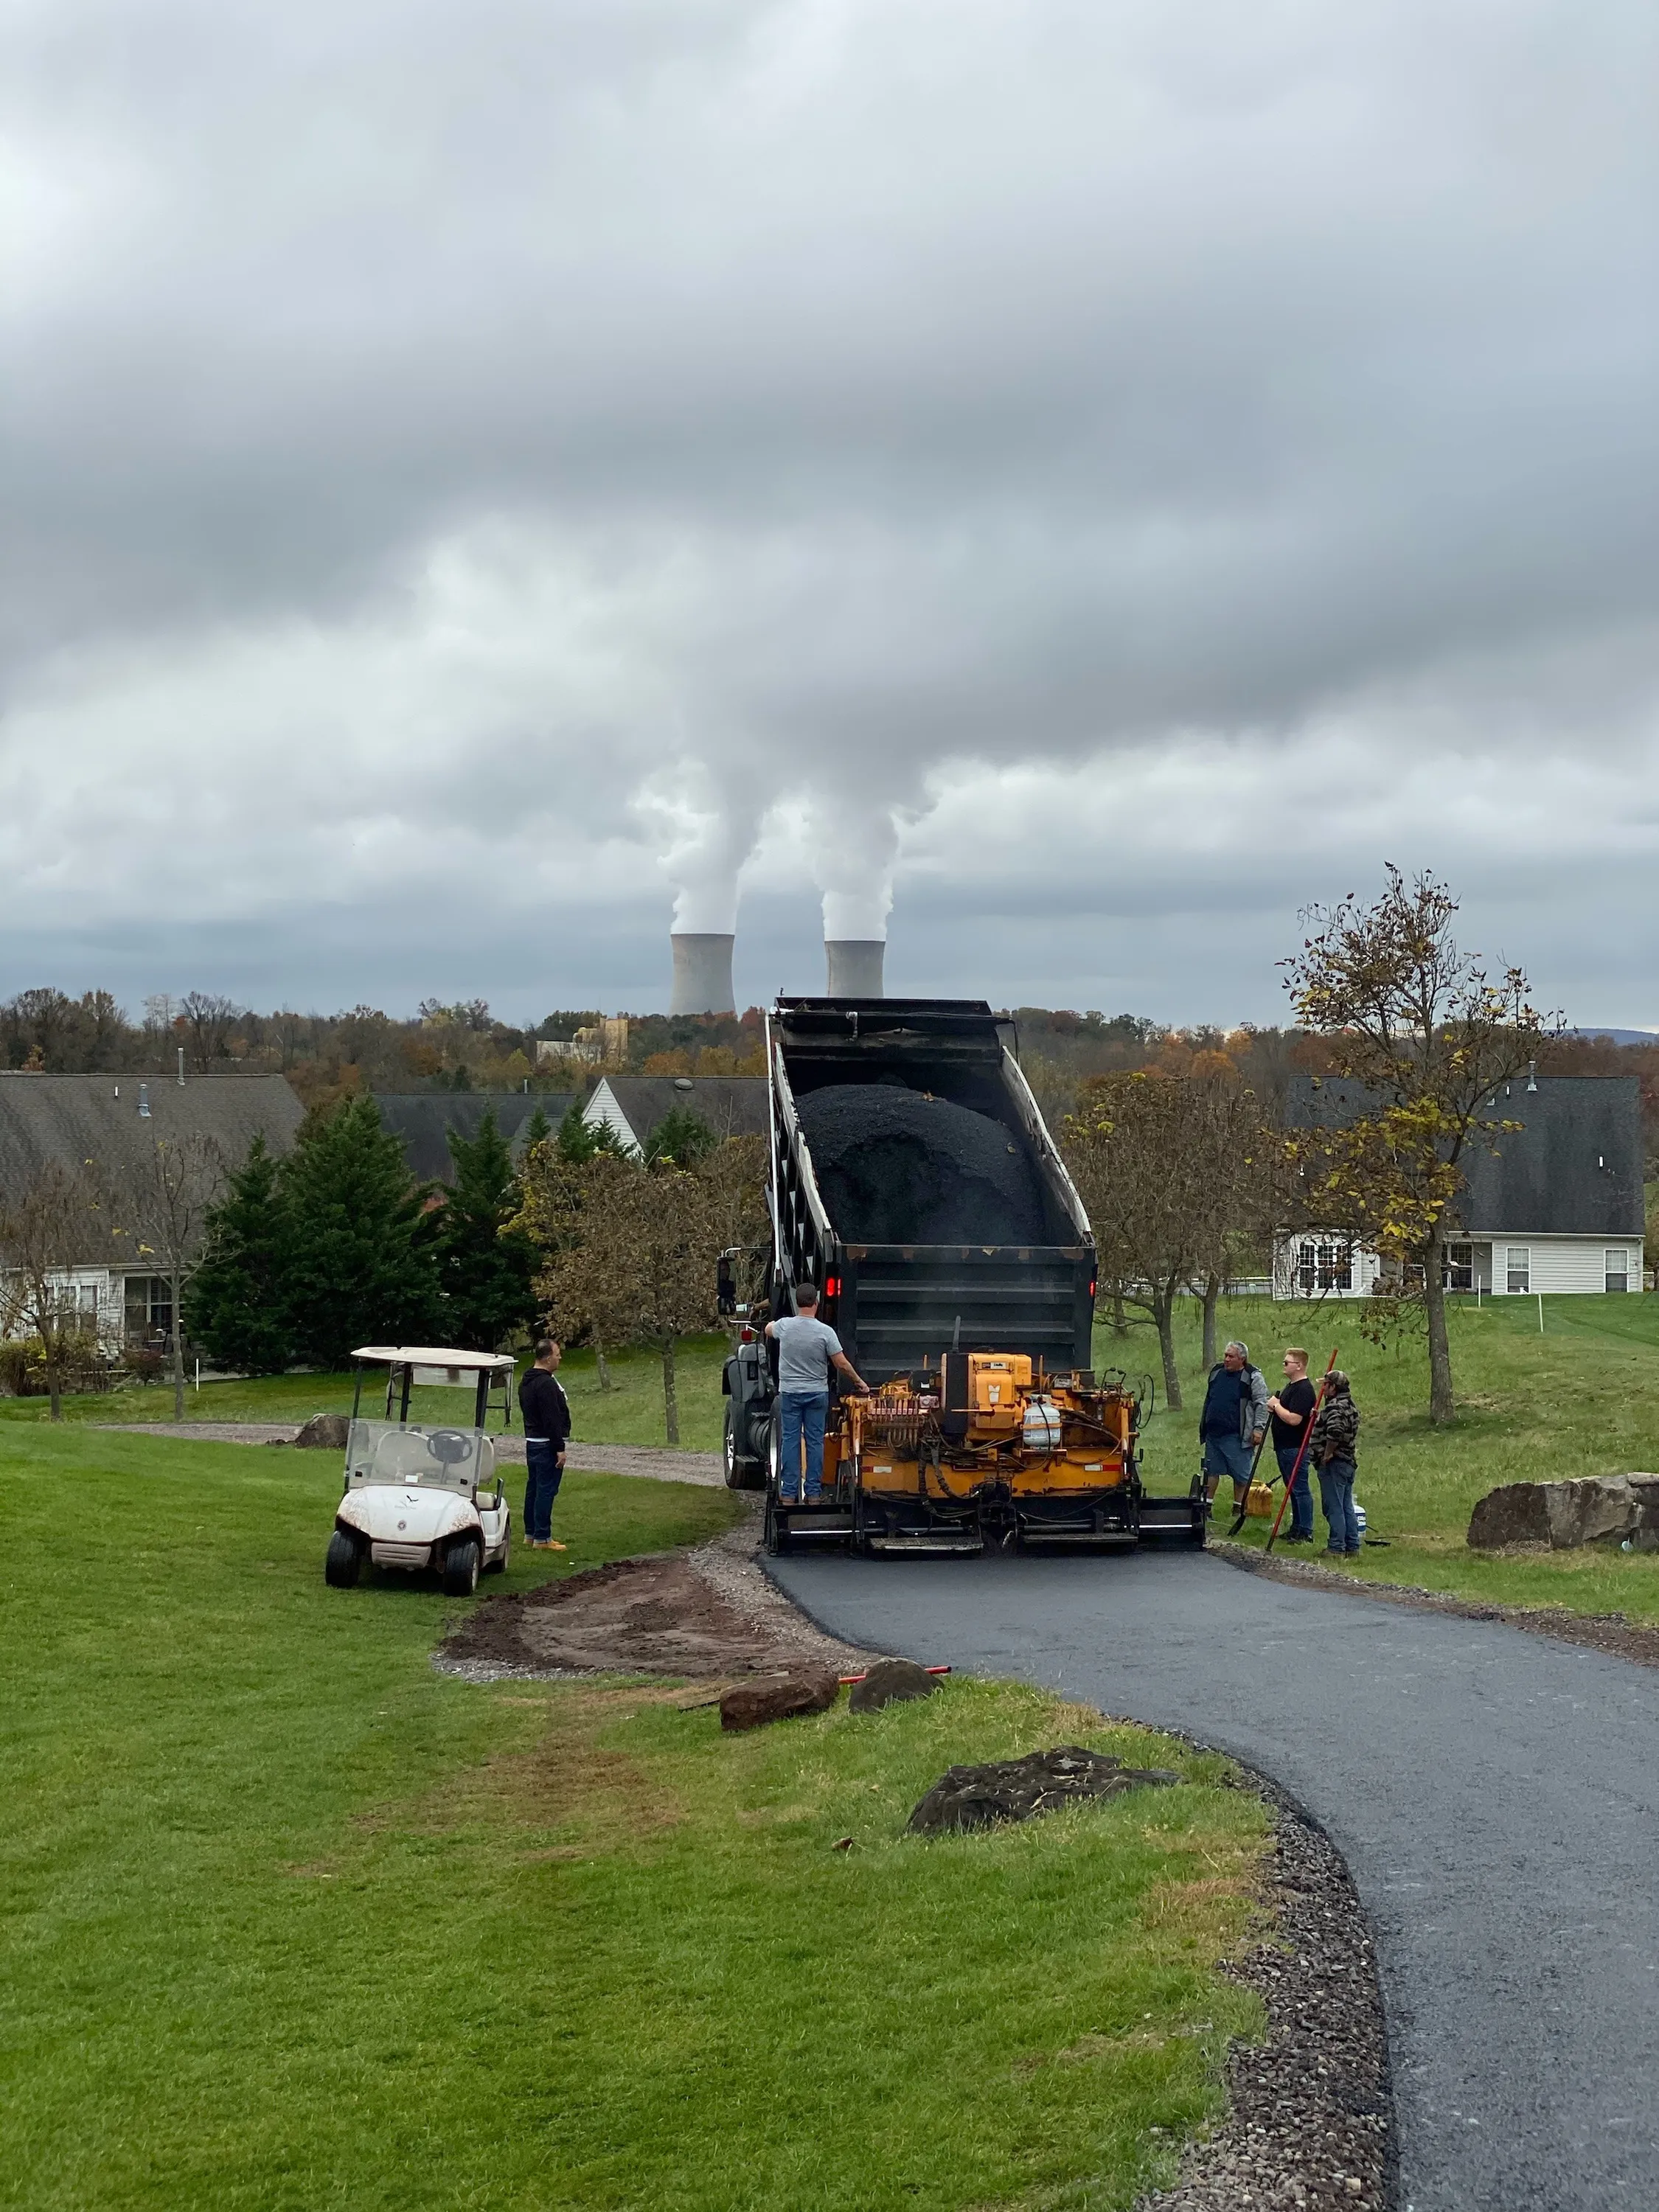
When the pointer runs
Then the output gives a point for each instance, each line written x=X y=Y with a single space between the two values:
x=913 y=1181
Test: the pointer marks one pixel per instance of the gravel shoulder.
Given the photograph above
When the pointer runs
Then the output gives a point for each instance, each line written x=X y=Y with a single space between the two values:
x=1311 y=2122
x=1593 y=1631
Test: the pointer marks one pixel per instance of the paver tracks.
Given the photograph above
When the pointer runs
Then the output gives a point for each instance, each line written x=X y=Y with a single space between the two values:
x=1494 y=1795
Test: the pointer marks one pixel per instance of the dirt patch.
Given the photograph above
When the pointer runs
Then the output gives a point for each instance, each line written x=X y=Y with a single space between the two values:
x=710 y=1613
x=1596 y=1632
x=1312 y=2117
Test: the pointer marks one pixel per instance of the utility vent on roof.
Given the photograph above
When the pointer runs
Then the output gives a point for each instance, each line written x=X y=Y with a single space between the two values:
x=143 y=1100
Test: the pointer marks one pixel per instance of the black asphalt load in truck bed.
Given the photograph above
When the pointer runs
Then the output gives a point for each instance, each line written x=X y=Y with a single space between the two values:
x=895 y=1167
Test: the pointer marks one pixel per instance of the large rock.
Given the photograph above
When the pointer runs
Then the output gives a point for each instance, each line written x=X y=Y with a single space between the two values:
x=325 y=1432
x=890 y=1682
x=1016 y=1789
x=1601 y=1509
x=778 y=1697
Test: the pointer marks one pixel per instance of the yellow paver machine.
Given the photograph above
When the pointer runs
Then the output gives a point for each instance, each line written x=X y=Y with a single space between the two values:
x=913 y=1182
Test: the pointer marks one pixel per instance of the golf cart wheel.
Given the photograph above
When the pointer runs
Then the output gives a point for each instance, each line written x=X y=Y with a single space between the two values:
x=461 y=1568
x=499 y=1566
x=344 y=1562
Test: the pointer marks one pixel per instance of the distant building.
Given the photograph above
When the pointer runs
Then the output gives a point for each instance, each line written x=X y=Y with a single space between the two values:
x=633 y=1105
x=112 y=1122
x=1554 y=1205
x=601 y=1044
x=421 y=1121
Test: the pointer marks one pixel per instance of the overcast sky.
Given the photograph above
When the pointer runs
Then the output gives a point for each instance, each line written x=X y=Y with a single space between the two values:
x=1099 y=475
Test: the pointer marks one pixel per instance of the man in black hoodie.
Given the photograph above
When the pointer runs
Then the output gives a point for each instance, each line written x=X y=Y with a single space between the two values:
x=546 y=1412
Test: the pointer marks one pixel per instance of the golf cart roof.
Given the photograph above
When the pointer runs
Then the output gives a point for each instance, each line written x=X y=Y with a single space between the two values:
x=430 y=1355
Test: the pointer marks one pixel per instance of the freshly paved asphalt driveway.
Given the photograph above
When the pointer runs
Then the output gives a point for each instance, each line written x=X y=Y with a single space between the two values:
x=1496 y=1796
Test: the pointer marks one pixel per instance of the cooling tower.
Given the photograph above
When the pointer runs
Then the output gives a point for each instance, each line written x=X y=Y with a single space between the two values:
x=854 y=966
x=702 y=973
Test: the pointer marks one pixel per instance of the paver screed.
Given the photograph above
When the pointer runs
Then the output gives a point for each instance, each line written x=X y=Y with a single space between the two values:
x=1495 y=1794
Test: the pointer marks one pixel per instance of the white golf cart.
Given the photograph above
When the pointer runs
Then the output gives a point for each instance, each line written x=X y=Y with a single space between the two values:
x=422 y=1494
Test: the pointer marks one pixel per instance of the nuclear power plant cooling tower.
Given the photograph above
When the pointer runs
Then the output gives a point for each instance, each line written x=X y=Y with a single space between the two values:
x=854 y=966
x=702 y=974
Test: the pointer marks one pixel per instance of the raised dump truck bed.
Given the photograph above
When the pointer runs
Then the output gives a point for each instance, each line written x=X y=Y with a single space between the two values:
x=913 y=1180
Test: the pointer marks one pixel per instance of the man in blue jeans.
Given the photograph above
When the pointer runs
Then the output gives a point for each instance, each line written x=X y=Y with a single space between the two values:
x=807 y=1349
x=1289 y=1408
x=1336 y=1450
x=546 y=1412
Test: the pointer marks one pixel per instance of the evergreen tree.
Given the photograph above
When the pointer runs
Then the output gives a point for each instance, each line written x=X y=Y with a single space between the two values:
x=484 y=1268
x=236 y=1306
x=680 y=1139
x=537 y=1129
x=360 y=1267
x=580 y=1142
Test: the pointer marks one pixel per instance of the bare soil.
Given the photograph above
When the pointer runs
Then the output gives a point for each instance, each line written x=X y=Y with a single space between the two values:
x=708 y=1615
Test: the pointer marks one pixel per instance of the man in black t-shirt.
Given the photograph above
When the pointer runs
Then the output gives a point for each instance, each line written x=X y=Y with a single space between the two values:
x=1289 y=1410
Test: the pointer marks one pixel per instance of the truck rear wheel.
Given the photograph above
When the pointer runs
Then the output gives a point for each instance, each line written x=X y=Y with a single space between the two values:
x=742 y=1472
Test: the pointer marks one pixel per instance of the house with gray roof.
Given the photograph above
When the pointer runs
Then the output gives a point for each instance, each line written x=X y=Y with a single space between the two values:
x=110 y=1123
x=422 y=1119
x=633 y=1105
x=1553 y=1204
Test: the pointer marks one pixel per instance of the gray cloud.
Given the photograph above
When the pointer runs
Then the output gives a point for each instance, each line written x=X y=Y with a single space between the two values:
x=448 y=438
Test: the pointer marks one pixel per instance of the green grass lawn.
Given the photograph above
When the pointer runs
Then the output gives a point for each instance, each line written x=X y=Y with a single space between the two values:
x=631 y=1412
x=289 y=1920
x=1581 y=1399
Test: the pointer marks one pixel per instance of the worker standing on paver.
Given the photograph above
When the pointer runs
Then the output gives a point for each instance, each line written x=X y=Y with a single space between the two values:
x=1289 y=1408
x=1335 y=1451
x=1233 y=1422
x=546 y=1412
x=807 y=1349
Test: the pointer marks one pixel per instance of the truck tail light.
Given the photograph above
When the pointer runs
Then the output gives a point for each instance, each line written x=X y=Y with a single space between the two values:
x=745 y=1335
x=832 y=1286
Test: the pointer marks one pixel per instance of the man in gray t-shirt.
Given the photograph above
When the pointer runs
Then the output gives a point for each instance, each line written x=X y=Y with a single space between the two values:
x=807 y=1349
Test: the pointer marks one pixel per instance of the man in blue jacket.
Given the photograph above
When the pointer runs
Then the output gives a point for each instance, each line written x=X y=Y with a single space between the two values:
x=1233 y=1422
x=546 y=1412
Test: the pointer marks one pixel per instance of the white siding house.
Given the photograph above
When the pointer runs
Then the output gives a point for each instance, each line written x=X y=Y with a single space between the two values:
x=633 y=1105
x=1553 y=1205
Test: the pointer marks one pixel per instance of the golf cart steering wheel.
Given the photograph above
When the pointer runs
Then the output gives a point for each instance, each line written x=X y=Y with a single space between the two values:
x=450 y=1446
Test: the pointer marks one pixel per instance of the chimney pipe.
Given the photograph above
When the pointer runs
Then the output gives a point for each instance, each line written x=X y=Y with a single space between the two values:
x=854 y=964
x=181 y=1066
x=702 y=973
x=143 y=1100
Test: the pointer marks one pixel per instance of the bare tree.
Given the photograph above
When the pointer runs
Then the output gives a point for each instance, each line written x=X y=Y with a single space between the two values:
x=1140 y=1148
x=54 y=1223
x=210 y=1021
x=1430 y=1033
x=644 y=1270
x=164 y=1217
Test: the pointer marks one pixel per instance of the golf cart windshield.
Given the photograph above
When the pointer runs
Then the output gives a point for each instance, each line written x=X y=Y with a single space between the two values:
x=434 y=1456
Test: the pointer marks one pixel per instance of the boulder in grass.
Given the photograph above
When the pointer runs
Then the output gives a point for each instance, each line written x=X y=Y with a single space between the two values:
x=325 y=1432
x=778 y=1697
x=1606 y=1509
x=891 y=1682
x=1017 y=1789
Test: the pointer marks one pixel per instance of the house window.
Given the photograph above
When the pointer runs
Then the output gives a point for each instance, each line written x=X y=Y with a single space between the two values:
x=1618 y=1269
x=1324 y=1267
x=1519 y=1268
x=1459 y=1266
x=149 y=1310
